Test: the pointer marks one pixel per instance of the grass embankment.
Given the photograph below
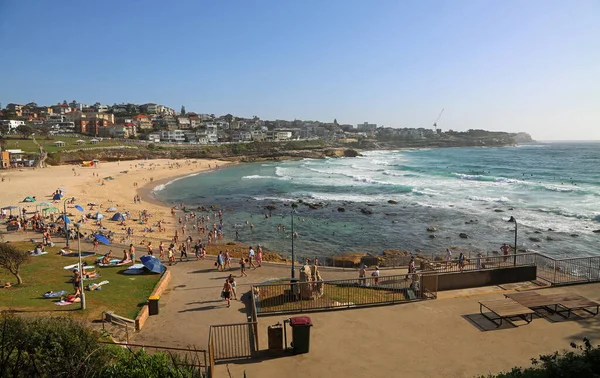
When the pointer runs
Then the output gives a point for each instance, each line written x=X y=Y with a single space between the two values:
x=125 y=294
x=28 y=146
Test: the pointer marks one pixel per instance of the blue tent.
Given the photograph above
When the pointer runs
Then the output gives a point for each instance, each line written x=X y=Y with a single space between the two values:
x=117 y=217
x=152 y=263
x=57 y=196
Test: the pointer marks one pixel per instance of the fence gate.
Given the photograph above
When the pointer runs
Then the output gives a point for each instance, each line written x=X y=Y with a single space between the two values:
x=231 y=341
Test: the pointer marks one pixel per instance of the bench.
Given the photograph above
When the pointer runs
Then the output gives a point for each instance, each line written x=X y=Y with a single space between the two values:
x=505 y=309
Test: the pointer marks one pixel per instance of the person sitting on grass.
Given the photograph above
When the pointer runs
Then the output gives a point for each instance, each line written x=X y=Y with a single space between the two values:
x=107 y=257
x=89 y=275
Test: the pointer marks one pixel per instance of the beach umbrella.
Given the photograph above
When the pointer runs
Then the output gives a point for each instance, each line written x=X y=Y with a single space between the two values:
x=29 y=199
x=57 y=196
x=102 y=239
x=79 y=208
x=65 y=218
x=111 y=209
x=152 y=263
x=118 y=217
x=99 y=216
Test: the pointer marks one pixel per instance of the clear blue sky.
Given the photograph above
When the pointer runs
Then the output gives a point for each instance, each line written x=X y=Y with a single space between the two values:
x=499 y=65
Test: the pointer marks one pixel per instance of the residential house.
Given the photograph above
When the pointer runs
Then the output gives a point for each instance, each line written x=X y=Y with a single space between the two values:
x=183 y=122
x=61 y=109
x=142 y=121
x=241 y=136
x=172 y=136
x=100 y=108
x=150 y=108
x=367 y=127
x=89 y=123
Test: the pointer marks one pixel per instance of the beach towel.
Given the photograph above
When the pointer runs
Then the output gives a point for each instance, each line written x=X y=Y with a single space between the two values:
x=76 y=266
x=135 y=269
x=96 y=286
x=33 y=253
x=54 y=294
x=116 y=262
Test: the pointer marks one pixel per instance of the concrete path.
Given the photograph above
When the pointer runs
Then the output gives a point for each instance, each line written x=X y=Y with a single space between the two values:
x=192 y=302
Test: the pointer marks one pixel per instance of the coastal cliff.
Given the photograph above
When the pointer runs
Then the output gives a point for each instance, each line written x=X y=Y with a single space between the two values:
x=263 y=151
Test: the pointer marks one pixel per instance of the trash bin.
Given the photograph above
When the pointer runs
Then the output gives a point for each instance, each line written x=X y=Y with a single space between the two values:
x=275 y=333
x=153 y=305
x=300 y=334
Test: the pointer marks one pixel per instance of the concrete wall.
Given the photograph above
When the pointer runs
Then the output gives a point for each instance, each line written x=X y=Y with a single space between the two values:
x=478 y=278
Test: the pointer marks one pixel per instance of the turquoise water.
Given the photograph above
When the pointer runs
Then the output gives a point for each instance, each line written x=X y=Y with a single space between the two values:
x=553 y=190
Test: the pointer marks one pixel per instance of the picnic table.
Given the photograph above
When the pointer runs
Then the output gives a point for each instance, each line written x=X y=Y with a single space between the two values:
x=504 y=309
x=561 y=302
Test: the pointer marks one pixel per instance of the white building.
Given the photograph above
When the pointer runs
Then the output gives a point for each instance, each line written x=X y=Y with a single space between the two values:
x=172 y=136
x=12 y=125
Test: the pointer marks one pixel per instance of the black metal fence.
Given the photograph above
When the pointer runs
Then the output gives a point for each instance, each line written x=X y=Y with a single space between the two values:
x=294 y=297
x=232 y=341
x=479 y=262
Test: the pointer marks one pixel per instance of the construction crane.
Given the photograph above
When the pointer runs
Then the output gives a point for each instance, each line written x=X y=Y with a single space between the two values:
x=436 y=121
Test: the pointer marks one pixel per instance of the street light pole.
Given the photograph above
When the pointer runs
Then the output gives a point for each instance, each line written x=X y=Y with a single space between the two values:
x=66 y=223
x=513 y=220
x=81 y=276
x=293 y=256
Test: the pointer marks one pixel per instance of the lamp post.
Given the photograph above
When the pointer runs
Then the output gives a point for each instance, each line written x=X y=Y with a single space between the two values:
x=81 y=276
x=66 y=220
x=513 y=220
x=293 y=256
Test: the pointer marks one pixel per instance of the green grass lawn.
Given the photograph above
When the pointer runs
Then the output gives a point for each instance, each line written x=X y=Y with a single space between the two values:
x=27 y=145
x=124 y=295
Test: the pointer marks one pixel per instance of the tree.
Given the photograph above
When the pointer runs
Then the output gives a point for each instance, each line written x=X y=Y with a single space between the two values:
x=12 y=259
x=335 y=122
x=182 y=110
x=64 y=102
x=3 y=129
x=24 y=130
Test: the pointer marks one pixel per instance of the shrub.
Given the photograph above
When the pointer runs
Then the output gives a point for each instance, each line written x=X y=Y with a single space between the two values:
x=583 y=362
x=63 y=347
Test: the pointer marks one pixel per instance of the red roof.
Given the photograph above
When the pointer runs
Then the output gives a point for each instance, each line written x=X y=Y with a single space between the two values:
x=128 y=124
x=139 y=116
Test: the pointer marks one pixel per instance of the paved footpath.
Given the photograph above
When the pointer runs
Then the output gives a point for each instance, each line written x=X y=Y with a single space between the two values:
x=192 y=303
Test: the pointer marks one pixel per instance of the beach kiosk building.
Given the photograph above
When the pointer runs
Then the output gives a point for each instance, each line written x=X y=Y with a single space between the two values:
x=60 y=143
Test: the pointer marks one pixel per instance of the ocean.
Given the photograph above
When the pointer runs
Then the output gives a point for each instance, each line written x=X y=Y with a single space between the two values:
x=386 y=200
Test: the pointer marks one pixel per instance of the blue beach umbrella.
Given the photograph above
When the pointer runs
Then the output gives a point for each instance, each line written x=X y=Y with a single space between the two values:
x=102 y=239
x=118 y=217
x=153 y=264
x=79 y=208
x=57 y=196
x=65 y=218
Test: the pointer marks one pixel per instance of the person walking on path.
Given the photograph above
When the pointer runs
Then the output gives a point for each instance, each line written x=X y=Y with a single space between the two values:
x=448 y=255
x=227 y=289
x=362 y=273
x=375 y=275
x=461 y=262
x=220 y=261
x=161 y=250
x=505 y=249
x=243 y=267
x=251 y=257
x=259 y=255
x=231 y=280
x=227 y=260
x=183 y=252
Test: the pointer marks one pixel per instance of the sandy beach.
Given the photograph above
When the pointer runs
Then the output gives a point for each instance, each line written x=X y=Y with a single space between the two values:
x=87 y=185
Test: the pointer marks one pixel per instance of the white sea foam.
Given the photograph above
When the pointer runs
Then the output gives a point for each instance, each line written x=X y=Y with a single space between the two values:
x=489 y=199
x=160 y=187
x=252 y=177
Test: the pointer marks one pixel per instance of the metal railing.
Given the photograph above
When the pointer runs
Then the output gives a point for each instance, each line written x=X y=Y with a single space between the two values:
x=196 y=360
x=294 y=297
x=479 y=262
x=232 y=341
